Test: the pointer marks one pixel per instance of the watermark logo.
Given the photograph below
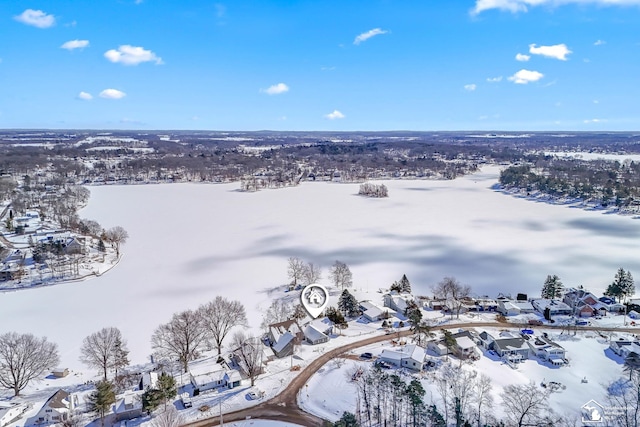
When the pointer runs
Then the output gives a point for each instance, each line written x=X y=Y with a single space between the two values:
x=314 y=299
x=592 y=413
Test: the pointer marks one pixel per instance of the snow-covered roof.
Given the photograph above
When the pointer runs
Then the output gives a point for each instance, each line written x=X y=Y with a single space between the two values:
x=282 y=342
x=312 y=334
x=465 y=343
x=321 y=324
x=279 y=329
x=410 y=351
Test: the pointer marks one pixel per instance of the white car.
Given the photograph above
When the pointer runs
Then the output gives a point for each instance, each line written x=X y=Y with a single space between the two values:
x=254 y=395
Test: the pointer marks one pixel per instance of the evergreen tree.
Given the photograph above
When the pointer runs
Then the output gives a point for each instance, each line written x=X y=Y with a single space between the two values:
x=347 y=420
x=622 y=286
x=348 y=304
x=101 y=246
x=120 y=355
x=414 y=314
x=405 y=285
x=336 y=317
x=101 y=399
x=435 y=418
x=151 y=399
x=167 y=387
x=449 y=341
x=552 y=288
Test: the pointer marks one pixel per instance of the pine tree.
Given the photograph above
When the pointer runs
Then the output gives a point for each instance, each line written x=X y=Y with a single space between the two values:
x=622 y=286
x=101 y=399
x=347 y=420
x=348 y=304
x=336 y=317
x=101 y=246
x=405 y=285
x=552 y=288
x=120 y=355
x=151 y=399
x=167 y=387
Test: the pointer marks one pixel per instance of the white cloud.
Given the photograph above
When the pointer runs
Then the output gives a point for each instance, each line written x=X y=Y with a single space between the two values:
x=599 y=42
x=470 y=87
x=112 y=94
x=594 y=121
x=131 y=55
x=522 y=57
x=557 y=51
x=276 y=89
x=36 y=18
x=515 y=6
x=85 y=96
x=525 y=76
x=334 y=115
x=75 y=44
x=366 y=36
x=494 y=79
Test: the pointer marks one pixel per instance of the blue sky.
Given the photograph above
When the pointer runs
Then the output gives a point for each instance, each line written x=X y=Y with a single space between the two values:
x=321 y=65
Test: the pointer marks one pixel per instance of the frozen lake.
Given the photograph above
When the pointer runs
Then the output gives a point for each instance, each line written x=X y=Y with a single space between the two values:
x=191 y=242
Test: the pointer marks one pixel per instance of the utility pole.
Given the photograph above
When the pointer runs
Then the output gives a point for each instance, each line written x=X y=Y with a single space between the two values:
x=220 y=406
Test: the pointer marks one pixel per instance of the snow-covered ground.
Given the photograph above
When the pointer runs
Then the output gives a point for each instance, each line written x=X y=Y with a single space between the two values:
x=587 y=352
x=191 y=242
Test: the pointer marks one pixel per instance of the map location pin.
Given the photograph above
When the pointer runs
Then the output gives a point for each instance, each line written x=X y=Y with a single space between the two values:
x=314 y=299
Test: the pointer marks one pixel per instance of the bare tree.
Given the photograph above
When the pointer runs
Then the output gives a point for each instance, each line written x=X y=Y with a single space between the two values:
x=248 y=354
x=295 y=269
x=117 y=236
x=279 y=311
x=219 y=316
x=482 y=397
x=524 y=405
x=624 y=394
x=101 y=349
x=453 y=291
x=340 y=275
x=312 y=273
x=181 y=338
x=24 y=357
x=170 y=417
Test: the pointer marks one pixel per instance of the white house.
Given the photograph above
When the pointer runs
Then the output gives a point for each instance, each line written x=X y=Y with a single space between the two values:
x=206 y=374
x=128 y=406
x=547 y=350
x=56 y=408
x=508 y=308
x=148 y=380
x=317 y=331
x=409 y=356
x=398 y=302
x=555 y=307
x=11 y=411
x=623 y=347
x=283 y=336
x=373 y=312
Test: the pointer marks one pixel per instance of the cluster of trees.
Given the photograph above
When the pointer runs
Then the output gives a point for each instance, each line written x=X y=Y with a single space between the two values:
x=454 y=292
x=623 y=285
x=552 y=287
x=301 y=272
x=373 y=190
x=604 y=182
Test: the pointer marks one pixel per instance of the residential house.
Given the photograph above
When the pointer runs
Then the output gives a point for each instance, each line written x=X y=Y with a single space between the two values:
x=373 y=312
x=437 y=347
x=485 y=304
x=398 y=302
x=435 y=304
x=584 y=303
x=485 y=340
x=60 y=372
x=317 y=331
x=283 y=336
x=624 y=347
x=128 y=406
x=208 y=374
x=556 y=308
x=56 y=409
x=512 y=348
x=547 y=350
x=611 y=306
x=408 y=356
x=11 y=411
x=508 y=308
x=148 y=380
x=465 y=345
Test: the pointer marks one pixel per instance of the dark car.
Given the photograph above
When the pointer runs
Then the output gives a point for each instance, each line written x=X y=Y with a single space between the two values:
x=366 y=355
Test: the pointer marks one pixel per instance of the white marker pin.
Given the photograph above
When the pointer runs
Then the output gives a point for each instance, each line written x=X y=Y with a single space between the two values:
x=314 y=299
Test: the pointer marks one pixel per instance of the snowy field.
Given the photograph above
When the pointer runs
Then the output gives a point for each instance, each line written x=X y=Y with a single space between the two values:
x=191 y=242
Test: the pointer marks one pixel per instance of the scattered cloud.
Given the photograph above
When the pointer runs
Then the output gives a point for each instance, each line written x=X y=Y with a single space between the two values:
x=595 y=101
x=515 y=6
x=522 y=57
x=36 y=18
x=470 y=87
x=276 y=89
x=327 y=68
x=599 y=42
x=86 y=96
x=494 y=79
x=221 y=10
x=366 y=36
x=334 y=115
x=594 y=121
x=557 y=51
x=139 y=1
x=132 y=55
x=75 y=44
x=526 y=76
x=112 y=94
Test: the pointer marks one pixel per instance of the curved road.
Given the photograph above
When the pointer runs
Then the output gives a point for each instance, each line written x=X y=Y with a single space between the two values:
x=284 y=406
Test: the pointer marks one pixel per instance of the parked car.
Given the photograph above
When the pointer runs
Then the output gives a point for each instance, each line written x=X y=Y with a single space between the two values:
x=255 y=395
x=366 y=355
x=383 y=364
x=535 y=322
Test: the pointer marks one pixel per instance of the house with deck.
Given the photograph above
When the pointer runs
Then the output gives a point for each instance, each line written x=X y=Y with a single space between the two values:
x=212 y=373
x=11 y=412
x=57 y=408
x=409 y=356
